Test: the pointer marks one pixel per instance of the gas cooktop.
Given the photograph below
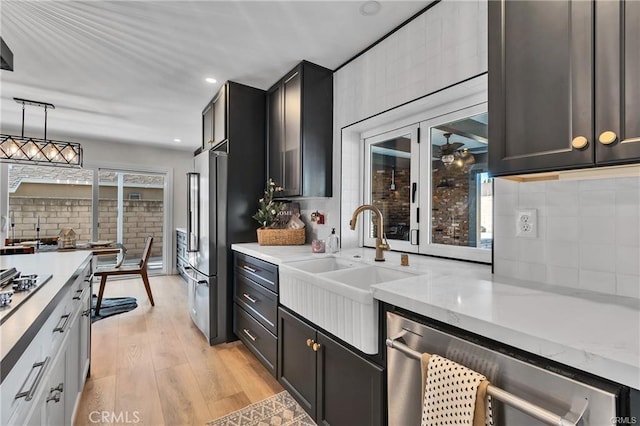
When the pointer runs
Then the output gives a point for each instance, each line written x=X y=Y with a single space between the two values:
x=16 y=288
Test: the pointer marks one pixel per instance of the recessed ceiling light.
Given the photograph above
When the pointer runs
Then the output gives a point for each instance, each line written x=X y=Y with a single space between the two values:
x=177 y=140
x=210 y=80
x=370 y=8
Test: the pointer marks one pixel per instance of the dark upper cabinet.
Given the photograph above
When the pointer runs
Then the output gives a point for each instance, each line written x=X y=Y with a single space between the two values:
x=334 y=384
x=617 y=81
x=558 y=79
x=214 y=119
x=300 y=131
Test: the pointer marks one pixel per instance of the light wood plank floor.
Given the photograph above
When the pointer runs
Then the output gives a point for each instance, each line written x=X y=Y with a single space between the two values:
x=152 y=366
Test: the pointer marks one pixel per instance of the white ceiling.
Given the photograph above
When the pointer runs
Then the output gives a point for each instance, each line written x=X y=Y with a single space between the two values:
x=133 y=71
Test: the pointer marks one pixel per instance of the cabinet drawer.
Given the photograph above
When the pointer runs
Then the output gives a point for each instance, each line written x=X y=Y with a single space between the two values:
x=263 y=344
x=261 y=303
x=261 y=272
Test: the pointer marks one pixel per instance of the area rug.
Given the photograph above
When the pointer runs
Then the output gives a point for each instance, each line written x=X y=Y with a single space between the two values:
x=280 y=409
x=112 y=306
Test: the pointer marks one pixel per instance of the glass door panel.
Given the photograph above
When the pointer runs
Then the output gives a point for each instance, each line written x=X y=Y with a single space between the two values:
x=460 y=191
x=131 y=207
x=392 y=179
x=43 y=200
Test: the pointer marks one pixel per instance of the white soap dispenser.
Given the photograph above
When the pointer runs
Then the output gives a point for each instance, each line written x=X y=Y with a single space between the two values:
x=333 y=243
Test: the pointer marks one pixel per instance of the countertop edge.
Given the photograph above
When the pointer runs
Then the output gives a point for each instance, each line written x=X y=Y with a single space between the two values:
x=17 y=349
x=621 y=372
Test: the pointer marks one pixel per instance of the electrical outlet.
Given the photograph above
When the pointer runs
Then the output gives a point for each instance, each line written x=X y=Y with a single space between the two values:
x=527 y=223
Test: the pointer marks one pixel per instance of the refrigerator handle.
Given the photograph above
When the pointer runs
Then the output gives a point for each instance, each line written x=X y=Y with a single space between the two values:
x=193 y=213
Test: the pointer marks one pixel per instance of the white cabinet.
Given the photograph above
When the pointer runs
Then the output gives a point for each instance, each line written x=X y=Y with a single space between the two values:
x=44 y=385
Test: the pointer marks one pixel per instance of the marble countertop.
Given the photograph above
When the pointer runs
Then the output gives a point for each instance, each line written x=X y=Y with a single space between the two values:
x=596 y=333
x=18 y=330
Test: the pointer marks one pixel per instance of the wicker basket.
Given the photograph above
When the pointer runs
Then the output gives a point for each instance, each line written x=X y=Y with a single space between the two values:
x=281 y=237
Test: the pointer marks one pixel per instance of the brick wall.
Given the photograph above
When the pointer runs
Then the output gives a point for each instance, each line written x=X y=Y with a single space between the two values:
x=141 y=218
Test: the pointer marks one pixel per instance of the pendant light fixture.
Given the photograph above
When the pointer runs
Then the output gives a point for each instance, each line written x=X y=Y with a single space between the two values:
x=21 y=149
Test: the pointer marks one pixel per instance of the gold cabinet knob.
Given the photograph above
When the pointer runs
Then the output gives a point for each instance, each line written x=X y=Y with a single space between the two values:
x=579 y=142
x=608 y=137
x=310 y=342
x=316 y=347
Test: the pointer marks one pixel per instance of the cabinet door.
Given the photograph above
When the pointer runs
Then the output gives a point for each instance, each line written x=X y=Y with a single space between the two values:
x=85 y=337
x=292 y=135
x=350 y=388
x=207 y=126
x=617 y=81
x=54 y=410
x=540 y=85
x=297 y=361
x=220 y=116
x=72 y=369
x=275 y=135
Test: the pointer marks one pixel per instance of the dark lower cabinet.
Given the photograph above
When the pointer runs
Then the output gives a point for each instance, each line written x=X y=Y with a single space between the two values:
x=297 y=361
x=349 y=388
x=334 y=384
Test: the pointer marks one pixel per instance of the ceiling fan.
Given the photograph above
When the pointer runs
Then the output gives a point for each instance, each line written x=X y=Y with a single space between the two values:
x=453 y=154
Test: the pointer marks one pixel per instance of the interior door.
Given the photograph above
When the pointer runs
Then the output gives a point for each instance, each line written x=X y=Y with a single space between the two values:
x=392 y=185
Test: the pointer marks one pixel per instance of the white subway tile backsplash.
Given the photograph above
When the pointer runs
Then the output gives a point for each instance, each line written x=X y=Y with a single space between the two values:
x=598 y=257
x=505 y=204
x=597 y=203
x=628 y=260
x=603 y=282
x=532 y=250
x=563 y=276
x=563 y=254
x=596 y=230
x=504 y=226
x=563 y=228
x=506 y=248
x=627 y=231
x=505 y=267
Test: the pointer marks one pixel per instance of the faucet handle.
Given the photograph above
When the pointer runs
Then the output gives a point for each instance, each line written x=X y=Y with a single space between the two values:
x=384 y=244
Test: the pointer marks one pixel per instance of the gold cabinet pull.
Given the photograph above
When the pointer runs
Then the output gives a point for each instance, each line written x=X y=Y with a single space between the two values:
x=316 y=347
x=310 y=342
x=579 y=142
x=608 y=137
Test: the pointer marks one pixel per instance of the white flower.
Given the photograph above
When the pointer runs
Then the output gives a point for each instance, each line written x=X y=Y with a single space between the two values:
x=261 y=200
x=273 y=211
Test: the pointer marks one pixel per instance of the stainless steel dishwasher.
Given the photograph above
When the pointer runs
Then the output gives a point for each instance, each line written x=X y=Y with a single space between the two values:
x=522 y=394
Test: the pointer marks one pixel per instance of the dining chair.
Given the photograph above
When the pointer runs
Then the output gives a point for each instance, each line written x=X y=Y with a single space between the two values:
x=126 y=269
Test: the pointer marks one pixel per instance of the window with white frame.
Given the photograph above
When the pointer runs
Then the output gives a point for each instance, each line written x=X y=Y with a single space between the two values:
x=430 y=181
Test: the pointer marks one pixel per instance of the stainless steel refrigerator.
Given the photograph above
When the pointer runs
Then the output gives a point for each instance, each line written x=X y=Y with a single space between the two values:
x=222 y=196
x=206 y=245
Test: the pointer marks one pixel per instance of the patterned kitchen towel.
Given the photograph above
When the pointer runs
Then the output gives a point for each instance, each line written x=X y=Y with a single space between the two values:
x=453 y=393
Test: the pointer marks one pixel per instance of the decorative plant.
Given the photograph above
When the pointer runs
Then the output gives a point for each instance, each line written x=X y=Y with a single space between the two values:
x=267 y=208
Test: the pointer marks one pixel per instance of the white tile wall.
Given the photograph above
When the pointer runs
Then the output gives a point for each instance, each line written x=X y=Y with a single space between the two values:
x=589 y=233
x=444 y=45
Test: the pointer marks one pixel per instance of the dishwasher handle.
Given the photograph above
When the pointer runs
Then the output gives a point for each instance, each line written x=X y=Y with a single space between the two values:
x=535 y=411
